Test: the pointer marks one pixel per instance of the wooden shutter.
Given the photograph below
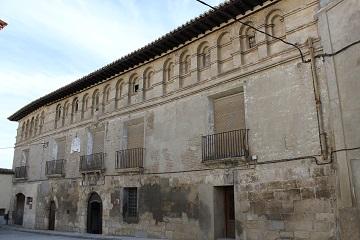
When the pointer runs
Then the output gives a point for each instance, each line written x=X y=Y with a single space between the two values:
x=61 y=148
x=25 y=157
x=229 y=113
x=136 y=135
x=99 y=142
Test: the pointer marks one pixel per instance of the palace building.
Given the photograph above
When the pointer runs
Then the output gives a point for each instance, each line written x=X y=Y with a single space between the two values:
x=215 y=130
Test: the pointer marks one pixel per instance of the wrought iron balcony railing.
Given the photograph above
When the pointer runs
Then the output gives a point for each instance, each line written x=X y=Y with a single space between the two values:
x=55 y=167
x=21 y=172
x=92 y=162
x=130 y=158
x=225 y=145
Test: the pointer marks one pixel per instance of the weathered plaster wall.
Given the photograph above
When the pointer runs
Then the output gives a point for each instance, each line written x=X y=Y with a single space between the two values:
x=6 y=192
x=30 y=210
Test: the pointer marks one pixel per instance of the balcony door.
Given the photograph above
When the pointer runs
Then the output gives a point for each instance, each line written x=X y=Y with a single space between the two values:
x=229 y=120
x=135 y=134
x=99 y=142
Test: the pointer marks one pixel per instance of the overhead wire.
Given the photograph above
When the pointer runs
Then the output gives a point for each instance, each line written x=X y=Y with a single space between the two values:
x=256 y=29
x=44 y=144
x=337 y=52
x=3 y=148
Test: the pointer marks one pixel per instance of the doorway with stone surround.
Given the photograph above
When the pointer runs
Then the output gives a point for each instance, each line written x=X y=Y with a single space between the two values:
x=94 y=214
x=224 y=212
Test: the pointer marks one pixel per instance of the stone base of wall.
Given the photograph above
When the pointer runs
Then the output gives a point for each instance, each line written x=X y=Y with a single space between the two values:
x=293 y=200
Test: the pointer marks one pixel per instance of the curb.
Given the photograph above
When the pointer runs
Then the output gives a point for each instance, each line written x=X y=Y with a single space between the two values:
x=70 y=234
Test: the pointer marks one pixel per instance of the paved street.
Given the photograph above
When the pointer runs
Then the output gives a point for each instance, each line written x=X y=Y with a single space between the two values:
x=17 y=235
x=14 y=234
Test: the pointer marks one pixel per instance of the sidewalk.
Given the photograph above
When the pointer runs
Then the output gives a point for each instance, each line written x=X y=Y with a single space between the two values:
x=71 y=234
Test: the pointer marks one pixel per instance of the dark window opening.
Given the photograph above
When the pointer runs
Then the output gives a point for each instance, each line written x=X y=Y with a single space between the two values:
x=136 y=88
x=2 y=211
x=29 y=200
x=76 y=106
x=130 y=205
x=251 y=40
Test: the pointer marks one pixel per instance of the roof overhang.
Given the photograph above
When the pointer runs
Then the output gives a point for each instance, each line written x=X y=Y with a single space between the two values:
x=169 y=41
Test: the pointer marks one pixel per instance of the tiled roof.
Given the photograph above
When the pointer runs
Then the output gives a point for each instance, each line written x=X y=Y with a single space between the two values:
x=6 y=171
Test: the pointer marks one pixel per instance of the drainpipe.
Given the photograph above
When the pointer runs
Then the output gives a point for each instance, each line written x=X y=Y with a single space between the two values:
x=320 y=118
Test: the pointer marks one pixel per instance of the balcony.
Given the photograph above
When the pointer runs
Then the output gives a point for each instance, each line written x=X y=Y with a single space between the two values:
x=55 y=168
x=92 y=163
x=225 y=146
x=129 y=159
x=21 y=172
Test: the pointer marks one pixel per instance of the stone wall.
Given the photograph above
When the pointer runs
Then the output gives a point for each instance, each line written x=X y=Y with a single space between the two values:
x=290 y=200
x=178 y=192
x=295 y=201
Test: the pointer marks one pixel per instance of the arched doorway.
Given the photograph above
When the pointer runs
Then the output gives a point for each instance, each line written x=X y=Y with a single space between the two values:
x=19 y=208
x=52 y=210
x=94 y=214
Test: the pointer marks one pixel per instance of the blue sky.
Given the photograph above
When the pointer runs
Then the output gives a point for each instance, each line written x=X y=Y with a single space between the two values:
x=50 y=43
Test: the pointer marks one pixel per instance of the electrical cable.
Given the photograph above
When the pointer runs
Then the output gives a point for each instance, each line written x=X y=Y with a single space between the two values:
x=44 y=144
x=2 y=148
x=256 y=29
x=235 y=168
x=337 y=52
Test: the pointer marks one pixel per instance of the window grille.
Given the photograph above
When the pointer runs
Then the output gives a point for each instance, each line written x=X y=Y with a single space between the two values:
x=130 y=205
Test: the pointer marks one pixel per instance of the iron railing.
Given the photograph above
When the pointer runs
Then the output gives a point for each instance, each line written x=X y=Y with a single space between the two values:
x=55 y=167
x=130 y=158
x=224 y=145
x=92 y=162
x=21 y=172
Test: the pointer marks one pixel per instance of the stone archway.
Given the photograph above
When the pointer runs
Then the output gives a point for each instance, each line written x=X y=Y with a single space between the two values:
x=19 y=209
x=52 y=212
x=94 y=214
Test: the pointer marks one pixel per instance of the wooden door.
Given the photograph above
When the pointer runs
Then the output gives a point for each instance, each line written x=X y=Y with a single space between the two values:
x=229 y=212
x=19 y=212
x=94 y=216
x=52 y=210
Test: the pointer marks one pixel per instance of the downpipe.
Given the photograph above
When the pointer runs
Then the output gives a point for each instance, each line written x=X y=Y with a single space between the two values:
x=324 y=156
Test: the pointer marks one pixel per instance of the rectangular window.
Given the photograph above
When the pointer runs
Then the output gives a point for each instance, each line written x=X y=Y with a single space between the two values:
x=130 y=205
x=229 y=113
x=2 y=211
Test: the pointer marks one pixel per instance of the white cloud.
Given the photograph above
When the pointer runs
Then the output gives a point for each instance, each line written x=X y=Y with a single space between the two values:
x=32 y=85
x=49 y=44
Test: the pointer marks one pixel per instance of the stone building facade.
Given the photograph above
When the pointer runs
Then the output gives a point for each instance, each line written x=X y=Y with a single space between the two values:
x=213 y=131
